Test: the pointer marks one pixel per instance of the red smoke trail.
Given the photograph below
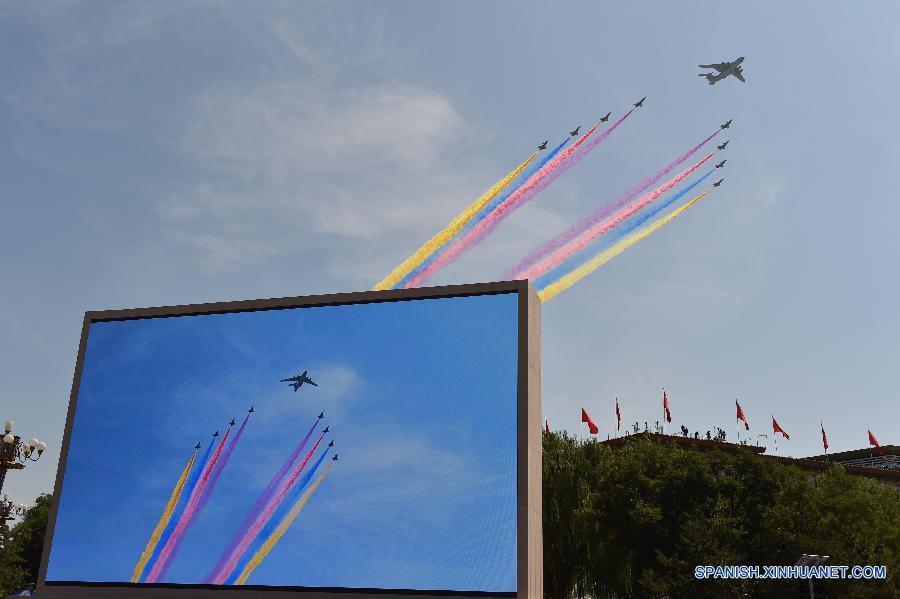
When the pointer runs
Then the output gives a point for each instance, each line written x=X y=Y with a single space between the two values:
x=604 y=211
x=171 y=549
x=264 y=517
x=260 y=503
x=586 y=238
x=530 y=188
x=220 y=465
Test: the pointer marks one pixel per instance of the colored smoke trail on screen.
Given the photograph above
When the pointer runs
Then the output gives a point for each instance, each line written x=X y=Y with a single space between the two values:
x=604 y=211
x=446 y=234
x=525 y=176
x=170 y=550
x=263 y=517
x=626 y=228
x=544 y=177
x=272 y=524
x=589 y=236
x=564 y=282
x=220 y=465
x=186 y=492
x=163 y=521
x=263 y=500
x=282 y=528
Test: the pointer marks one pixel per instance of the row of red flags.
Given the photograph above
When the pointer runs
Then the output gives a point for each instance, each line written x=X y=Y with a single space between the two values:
x=776 y=428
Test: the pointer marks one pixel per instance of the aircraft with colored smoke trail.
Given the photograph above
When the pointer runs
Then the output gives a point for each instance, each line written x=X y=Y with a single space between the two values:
x=717 y=183
x=331 y=443
x=543 y=146
x=724 y=145
x=335 y=459
x=321 y=414
x=721 y=164
x=724 y=70
x=250 y=411
x=726 y=124
x=231 y=423
x=197 y=446
x=327 y=428
x=297 y=381
x=640 y=102
x=603 y=119
x=574 y=132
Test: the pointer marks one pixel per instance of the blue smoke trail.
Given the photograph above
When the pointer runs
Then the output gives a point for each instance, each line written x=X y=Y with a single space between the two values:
x=280 y=512
x=615 y=235
x=179 y=510
x=526 y=174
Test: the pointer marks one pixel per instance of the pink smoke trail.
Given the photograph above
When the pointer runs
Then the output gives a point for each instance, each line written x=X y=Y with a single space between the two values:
x=260 y=503
x=264 y=516
x=169 y=551
x=602 y=212
x=530 y=188
x=586 y=238
x=220 y=465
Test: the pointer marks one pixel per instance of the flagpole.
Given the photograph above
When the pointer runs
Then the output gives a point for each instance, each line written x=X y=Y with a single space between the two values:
x=737 y=429
x=664 y=411
x=774 y=434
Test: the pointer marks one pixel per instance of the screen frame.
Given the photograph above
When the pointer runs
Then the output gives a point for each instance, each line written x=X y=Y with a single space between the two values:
x=529 y=535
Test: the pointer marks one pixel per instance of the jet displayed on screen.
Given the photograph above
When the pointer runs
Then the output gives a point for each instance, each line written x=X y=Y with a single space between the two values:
x=724 y=70
x=724 y=145
x=197 y=446
x=640 y=102
x=543 y=146
x=297 y=381
x=717 y=183
x=334 y=459
x=721 y=164
x=726 y=124
x=574 y=132
x=321 y=414
x=603 y=119
x=231 y=423
x=331 y=444
x=250 y=411
x=327 y=428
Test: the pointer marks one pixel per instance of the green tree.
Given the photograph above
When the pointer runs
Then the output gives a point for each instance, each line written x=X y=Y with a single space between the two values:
x=23 y=545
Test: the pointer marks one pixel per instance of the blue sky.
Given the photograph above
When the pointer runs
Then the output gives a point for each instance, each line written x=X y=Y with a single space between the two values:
x=165 y=153
x=421 y=400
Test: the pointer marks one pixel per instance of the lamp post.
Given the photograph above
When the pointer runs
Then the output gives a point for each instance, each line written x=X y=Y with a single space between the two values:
x=15 y=453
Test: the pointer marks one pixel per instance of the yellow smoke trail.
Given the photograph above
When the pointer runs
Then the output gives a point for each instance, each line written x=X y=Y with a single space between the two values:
x=263 y=551
x=566 y=281
x=163 y=521
x=441 y=239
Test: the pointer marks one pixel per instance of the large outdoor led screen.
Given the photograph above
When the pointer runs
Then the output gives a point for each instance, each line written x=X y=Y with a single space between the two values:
x=349 y=445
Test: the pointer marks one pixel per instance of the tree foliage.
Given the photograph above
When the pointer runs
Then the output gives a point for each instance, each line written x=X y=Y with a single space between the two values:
x=634 y=521
x=23 y=546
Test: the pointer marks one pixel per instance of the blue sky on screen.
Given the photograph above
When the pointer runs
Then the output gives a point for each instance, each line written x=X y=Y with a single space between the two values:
x=421 y=400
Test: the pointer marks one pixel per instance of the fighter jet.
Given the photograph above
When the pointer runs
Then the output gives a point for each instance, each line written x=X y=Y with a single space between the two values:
x=724 y=145
x=297 y=381
x=331 y=444
x=231 y=423
x=543 y=146
x=197 y=446
x=717 y=183
x=321 y=415
x=605 y=118
x=575 y=132
x=724 y=70
x=250 y=411
x=726 y=125
x=721 y=164
x=640 y=102
x=327 y=428
x=334 y=459
x=215 y=434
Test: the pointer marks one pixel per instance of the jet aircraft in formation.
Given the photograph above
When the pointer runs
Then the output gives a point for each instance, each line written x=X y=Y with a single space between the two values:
x=717 y=183
x=603 y=119
x=724 y=145
x=327 y=428
x=726 y=124
x=724 y=69
x=334 y=459
x=297 y=381
x=721 y=164
x=640 y=102
x=543 y=146
x=574 y=132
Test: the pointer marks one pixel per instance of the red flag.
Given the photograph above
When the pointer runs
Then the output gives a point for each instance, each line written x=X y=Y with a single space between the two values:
x=740 y=415
x=591 y=426
x=874 y=441
x=618 y=416
x=825 y=437
x=666 y=406
x=546 y=426
x=778 y=429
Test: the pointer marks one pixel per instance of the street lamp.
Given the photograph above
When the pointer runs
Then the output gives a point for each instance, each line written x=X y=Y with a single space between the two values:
x=15 y=453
